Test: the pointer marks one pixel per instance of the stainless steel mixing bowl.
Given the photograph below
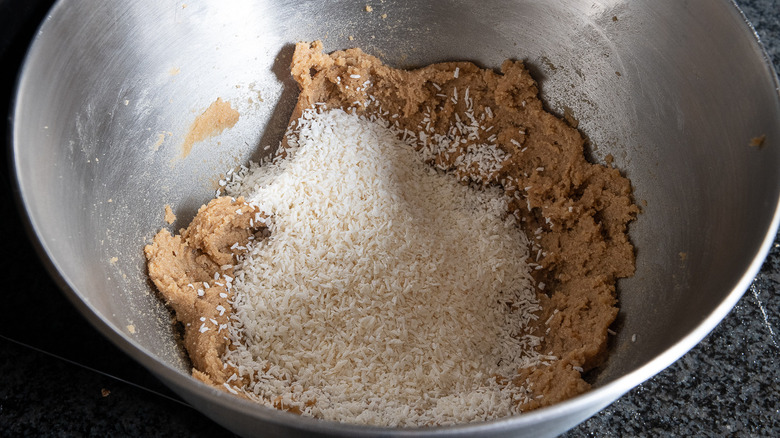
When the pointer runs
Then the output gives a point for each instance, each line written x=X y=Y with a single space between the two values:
x=674 y=91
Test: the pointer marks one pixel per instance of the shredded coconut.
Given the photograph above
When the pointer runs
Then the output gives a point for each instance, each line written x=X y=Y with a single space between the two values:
x=388 y=293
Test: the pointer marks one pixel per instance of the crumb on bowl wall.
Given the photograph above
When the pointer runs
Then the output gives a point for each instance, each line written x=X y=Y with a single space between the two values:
x=218 y=117
x=169 y=216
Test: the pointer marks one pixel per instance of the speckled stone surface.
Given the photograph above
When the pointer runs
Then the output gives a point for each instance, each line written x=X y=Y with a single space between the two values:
x=78 y=384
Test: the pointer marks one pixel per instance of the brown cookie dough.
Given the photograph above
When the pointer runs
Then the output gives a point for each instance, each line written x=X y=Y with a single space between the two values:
x=574 y=212
x=169 y=216
x=194 y=270
x=217 y=117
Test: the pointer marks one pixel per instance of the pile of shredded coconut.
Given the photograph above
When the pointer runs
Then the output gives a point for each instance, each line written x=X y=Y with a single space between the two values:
x=387 y=292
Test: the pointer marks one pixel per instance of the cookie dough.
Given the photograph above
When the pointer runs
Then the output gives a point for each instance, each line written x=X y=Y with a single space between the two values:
x=193 y=271
x=169 y=216
x=575 y=212
x=217 y=117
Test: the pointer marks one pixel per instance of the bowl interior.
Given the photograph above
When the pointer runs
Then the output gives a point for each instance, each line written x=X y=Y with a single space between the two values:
x=674 y=92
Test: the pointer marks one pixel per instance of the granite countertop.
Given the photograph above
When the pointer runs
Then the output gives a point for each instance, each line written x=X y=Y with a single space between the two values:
x=59 y=376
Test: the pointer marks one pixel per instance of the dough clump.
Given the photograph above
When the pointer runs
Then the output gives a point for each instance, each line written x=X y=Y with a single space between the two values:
x=574 y=212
